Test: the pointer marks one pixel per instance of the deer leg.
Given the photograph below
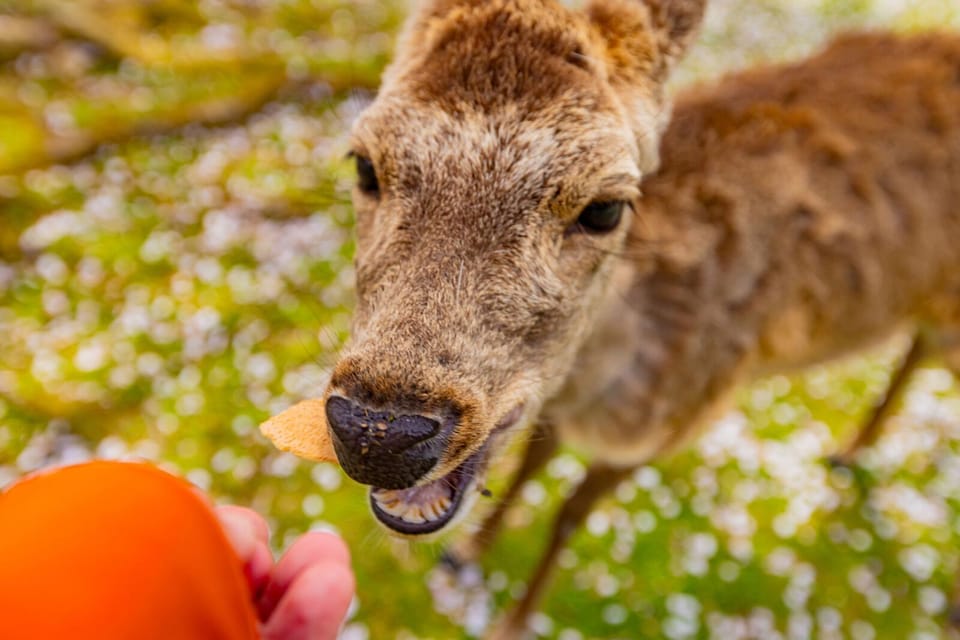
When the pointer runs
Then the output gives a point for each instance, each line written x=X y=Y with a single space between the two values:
x=540 y=448
x=950 y=347
x=599 y=480
x=873 y=427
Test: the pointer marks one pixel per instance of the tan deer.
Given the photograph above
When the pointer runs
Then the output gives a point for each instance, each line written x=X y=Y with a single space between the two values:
x=510 y=271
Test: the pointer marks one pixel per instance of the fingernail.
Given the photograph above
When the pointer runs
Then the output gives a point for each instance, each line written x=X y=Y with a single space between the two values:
x=238 y=531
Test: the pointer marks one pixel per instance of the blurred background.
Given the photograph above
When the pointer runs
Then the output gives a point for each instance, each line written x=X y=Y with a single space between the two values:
x=175 y=266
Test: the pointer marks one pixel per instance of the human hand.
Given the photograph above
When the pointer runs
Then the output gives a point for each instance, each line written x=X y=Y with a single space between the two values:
x=303 y=596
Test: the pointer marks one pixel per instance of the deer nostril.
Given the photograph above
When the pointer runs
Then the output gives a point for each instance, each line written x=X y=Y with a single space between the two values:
x=352 y=422
x=379 y=447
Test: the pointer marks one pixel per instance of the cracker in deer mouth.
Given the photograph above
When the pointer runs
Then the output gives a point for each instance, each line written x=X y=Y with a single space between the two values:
x=302 y=430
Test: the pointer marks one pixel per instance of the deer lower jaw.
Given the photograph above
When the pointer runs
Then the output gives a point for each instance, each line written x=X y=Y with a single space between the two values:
x=428 y=508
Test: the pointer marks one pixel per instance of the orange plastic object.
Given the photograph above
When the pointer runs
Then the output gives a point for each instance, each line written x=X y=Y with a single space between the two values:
x=113 y=550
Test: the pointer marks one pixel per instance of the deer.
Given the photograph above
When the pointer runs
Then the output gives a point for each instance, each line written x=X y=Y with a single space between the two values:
x=549 y=247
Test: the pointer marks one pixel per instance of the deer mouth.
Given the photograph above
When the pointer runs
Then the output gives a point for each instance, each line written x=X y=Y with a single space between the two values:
x=430 y=507
x=427 y=508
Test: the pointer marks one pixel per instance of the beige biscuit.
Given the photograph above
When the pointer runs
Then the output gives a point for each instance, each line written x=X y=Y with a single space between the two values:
x=302 y=430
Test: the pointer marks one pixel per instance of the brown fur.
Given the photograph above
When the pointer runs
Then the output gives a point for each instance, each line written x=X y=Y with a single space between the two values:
x=800 y=212
x=497 y=123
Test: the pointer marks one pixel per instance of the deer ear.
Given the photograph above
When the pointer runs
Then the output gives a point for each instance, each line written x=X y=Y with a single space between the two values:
x=412 y=42
x=645 y=36
x=639 y=42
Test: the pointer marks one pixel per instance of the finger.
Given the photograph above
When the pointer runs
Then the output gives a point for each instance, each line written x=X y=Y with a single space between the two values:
x=311 y=548
x=247 y=518
x=314 y=605
x=249 y=535
x=257 y=571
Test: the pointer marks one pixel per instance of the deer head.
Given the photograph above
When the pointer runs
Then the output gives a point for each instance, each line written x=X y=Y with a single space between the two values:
x=497 y=171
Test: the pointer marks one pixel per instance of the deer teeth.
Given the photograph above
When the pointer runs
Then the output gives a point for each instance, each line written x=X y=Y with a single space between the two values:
x=394 y=508
x=392 y=503
x=413 y=515
x=430 y=511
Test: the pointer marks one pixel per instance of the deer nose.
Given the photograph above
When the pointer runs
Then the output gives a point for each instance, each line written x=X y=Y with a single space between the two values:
x=380 y=448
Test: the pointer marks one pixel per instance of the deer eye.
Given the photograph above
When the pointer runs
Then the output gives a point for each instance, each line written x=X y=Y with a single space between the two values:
x=600 y=217
x=367 y=177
